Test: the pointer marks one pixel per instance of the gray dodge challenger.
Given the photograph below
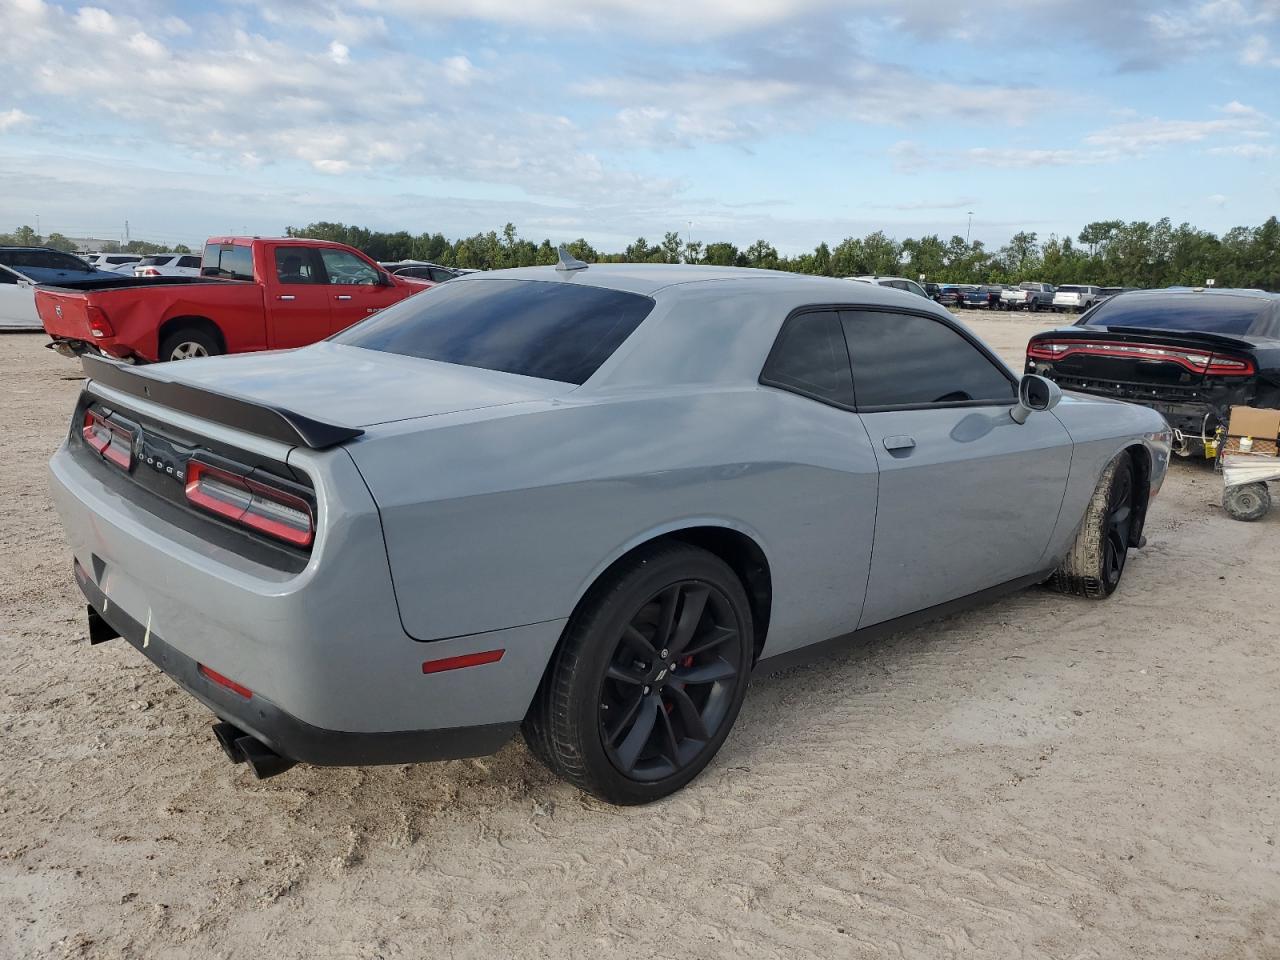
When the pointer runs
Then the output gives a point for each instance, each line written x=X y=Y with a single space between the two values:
x=584 y=503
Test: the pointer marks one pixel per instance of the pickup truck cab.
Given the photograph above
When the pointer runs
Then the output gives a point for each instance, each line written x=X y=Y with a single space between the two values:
x=1029 y=295
x=252 y=294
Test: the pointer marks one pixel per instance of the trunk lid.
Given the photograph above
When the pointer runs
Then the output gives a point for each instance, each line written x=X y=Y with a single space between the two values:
x=64 y=313
x=357 y=387
x=1167 y=364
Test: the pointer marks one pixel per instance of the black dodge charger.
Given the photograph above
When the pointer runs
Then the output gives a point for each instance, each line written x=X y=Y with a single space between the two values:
x=1191 y=354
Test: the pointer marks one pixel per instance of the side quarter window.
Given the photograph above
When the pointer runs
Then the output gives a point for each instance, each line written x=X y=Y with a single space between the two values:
x=902 y=360
x=809 y=357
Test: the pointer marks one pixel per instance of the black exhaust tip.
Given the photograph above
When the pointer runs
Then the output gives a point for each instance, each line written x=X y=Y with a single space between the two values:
x=262 y=760
x=227 y=735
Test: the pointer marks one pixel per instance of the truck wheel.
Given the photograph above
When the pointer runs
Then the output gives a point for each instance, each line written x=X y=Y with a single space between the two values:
x=1095 y=563
x=186 y=343
x=1034 y=306
x=648 y=679
x=1248 y=502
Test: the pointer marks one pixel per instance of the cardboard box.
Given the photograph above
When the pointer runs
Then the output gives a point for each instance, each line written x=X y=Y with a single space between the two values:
x=1254 y=422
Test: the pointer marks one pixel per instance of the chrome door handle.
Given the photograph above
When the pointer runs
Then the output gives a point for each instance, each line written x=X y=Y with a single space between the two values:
x=286 y=296
x=343 y=296
x=899 y=443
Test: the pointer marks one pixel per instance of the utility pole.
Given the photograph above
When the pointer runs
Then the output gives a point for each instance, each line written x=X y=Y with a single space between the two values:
x=126 y=231
x=38 y=233
x=969 y=227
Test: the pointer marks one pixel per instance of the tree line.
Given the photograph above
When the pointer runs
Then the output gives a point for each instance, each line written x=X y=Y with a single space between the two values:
x=25 y=236
x=1106 y=252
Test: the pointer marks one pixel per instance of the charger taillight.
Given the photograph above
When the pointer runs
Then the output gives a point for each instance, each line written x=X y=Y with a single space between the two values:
x=250 y=503
x=112 y=441
x=1197 y=361
x=99 y=325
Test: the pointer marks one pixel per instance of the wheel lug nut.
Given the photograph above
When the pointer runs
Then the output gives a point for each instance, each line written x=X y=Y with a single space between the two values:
x=664 y=653
x=646 y=691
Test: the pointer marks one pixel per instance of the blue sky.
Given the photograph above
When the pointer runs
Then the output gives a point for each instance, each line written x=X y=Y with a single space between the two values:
x=792 y=120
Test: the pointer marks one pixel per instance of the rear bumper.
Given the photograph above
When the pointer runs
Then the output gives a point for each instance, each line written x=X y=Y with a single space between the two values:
x=284 y=733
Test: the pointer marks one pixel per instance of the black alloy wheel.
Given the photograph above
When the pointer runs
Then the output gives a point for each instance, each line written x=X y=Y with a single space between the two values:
x=670 y=680
x=648 y=677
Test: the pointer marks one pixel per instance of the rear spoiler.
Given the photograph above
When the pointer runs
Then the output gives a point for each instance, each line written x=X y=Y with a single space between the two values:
x=260 y=419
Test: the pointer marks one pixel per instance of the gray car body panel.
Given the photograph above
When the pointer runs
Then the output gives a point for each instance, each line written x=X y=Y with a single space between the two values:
x=479 y=507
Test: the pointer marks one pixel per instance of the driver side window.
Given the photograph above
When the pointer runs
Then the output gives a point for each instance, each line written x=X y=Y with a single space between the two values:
x=903 y=360
x=347 y=269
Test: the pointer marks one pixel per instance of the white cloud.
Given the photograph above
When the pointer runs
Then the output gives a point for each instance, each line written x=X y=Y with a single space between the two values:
x=95 y=20
x=1246 y=151
x=12 y=119
x=459 y=71
x=339 y=53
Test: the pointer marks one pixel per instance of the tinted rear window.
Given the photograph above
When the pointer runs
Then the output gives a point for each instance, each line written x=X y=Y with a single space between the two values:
x=1208 y=313
x=42 y=259
x=549 y=330
x=231 y=261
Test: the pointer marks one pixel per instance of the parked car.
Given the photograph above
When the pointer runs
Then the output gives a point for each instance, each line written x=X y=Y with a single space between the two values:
x=1106 y=293
x=985 y=296
x=1189 y=354
x=21 y=268
x=933 y=290
x=952 y=294
x=115 y=262
x=1075 y=298
x=424 y=270
x=168 y=265
x=252 y=294
x=897 y=283
x=470 y=515
x=1028 y=296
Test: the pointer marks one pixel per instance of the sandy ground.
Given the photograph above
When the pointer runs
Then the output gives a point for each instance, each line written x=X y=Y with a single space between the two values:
x=1044 y=777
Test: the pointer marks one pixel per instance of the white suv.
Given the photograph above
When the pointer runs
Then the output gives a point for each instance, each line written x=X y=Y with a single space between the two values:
x=115 y=262
x=168 y=265
x=1076 y=298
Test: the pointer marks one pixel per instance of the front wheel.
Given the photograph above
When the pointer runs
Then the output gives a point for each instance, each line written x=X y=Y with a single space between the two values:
x=648 y=679
x=1095 y=563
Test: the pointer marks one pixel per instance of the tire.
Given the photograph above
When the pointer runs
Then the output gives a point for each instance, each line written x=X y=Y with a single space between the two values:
x=187 y=343
x=1247 y=502
x=1094 y=565
x=1034 y=307
x=610 y=658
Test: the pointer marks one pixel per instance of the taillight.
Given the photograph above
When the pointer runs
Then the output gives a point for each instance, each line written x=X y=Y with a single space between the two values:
x=99 y=325
x=112 y=441
x=147 y=272
x=1197 y=361
x=250 y=503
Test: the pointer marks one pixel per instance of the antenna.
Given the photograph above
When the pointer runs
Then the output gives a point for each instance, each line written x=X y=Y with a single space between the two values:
x=568 y=261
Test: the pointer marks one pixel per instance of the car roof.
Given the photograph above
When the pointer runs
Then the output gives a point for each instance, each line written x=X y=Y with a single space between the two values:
x=649 y=279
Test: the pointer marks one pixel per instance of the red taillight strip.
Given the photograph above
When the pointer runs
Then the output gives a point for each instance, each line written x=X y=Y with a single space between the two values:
x=248 y=508
x=220 y=680
x=465 y=660
x=1205 y=362
x=111 y=441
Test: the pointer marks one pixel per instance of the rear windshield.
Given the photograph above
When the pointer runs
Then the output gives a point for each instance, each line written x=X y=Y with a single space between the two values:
x=1208 y=313
x=550 y=330
x=232 y=261
x=1028 y=285
x=155 y=261
x=1069 y=289
x=43 y=260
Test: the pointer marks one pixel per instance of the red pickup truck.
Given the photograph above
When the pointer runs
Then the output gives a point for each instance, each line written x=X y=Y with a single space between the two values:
x=252 y=294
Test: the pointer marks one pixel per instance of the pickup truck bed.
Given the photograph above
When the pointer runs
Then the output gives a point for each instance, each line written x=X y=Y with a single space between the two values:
x=271 y=294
